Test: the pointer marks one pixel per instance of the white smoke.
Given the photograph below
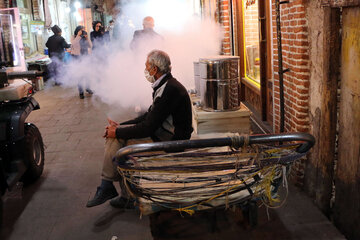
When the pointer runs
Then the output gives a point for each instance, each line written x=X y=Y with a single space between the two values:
x=116 y=74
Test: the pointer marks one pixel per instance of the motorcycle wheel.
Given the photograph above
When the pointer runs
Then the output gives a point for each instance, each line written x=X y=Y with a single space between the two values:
x=34 y=153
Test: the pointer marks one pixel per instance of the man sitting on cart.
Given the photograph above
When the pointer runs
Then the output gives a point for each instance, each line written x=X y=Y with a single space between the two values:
x=168 y=118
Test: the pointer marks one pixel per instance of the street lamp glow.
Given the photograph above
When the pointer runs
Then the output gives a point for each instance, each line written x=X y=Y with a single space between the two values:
x=77 y=17
x=77 y=5
x=67 y=10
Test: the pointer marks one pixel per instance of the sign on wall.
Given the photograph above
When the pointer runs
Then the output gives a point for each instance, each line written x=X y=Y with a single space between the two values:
x=36 y=26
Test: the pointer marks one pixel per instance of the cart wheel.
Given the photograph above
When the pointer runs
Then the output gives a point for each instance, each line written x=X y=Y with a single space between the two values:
x=253 y=213
x=34 y=153
x=250 y=212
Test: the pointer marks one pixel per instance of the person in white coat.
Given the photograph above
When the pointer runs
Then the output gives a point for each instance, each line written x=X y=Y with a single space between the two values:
x=80 y=46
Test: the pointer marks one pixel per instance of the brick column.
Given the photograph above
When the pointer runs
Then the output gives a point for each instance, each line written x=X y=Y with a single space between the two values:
x=224 y=20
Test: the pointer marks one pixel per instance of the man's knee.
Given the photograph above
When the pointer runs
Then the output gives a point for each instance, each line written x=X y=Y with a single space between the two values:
x=113 y=144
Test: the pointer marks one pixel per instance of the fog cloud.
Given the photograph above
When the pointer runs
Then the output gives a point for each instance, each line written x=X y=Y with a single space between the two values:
x=116 y=74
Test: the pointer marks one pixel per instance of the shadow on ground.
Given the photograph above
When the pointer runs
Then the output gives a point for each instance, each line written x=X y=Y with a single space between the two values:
x=217 y=225
x=15 y=203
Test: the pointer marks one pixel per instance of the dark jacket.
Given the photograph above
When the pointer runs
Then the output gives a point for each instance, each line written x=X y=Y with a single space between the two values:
x=96 y=35
x=170 y=102
x=143 y=36
x=56 y=45
x=99 y=38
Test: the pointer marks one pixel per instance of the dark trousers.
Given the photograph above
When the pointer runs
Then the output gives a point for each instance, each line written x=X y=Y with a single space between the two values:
x=81 y=89
x=80 y=84
x=55 y=68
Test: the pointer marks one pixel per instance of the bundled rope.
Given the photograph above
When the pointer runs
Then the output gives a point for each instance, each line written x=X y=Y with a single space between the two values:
x=207 y=178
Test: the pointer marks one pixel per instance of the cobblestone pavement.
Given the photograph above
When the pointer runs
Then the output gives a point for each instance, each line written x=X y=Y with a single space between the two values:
x=54 y=207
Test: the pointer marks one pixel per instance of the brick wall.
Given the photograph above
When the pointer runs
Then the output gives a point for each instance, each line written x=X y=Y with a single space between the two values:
x=295 y=52
x=224 y=19
x=295 y=44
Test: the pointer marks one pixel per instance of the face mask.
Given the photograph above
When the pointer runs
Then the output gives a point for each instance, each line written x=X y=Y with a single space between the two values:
x=148 y=76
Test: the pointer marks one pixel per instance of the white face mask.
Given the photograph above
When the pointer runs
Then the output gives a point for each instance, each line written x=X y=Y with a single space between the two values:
x=148 y=76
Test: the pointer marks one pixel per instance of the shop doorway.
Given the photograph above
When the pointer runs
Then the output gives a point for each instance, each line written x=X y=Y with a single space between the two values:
x=251 y=41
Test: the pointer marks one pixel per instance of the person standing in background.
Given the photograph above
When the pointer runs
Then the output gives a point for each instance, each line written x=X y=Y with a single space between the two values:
x=56 y=45
x=80 y=46
x=110 y=30
x=145 y=35
x=98 y=37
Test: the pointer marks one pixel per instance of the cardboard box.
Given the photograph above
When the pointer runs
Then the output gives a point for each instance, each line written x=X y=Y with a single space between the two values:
x=221 y=122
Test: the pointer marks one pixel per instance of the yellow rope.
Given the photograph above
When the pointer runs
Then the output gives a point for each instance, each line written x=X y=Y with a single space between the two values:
x=185 y=209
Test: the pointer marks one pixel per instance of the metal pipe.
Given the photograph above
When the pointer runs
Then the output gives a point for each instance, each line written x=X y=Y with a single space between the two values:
x=280 y=72
x=308 y=140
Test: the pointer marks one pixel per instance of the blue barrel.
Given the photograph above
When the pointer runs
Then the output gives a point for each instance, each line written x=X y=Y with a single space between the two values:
x=67 y=57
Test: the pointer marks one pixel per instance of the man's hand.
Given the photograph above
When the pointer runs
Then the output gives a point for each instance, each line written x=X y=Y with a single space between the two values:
x=110 y=131
x=112 y=123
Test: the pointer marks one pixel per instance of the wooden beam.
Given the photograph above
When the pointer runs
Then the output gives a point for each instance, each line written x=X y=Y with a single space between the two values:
x=340 y=3
x=240 y=31
x=269 y=77
x=347 y=179
x=320 y=166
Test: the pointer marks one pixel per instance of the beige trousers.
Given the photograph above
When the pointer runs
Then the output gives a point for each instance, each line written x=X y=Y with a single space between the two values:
x=109 y=171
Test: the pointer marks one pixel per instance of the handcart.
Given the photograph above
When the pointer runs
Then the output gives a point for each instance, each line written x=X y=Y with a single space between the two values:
x=207 y=174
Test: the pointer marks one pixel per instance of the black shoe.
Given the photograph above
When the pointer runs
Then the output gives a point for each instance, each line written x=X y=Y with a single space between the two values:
x=102 y=195
x=89 y=91
x=121 y=202
x=81 y=96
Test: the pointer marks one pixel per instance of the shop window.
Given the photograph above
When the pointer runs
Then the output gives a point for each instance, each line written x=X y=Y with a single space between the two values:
x=10 y=41
x=251 y=41
x=28 y=38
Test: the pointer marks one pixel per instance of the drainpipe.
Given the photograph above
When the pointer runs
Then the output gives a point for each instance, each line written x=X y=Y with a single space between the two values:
x=281 y=71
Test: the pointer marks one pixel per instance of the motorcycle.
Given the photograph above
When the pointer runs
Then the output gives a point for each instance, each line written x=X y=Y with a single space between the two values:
x=21 y=144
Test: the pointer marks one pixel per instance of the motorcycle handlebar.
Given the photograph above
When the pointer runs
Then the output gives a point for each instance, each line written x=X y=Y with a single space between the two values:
x=25 y=74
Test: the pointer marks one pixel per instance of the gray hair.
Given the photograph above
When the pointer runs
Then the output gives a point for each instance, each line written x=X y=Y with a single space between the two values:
x=161 y=60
